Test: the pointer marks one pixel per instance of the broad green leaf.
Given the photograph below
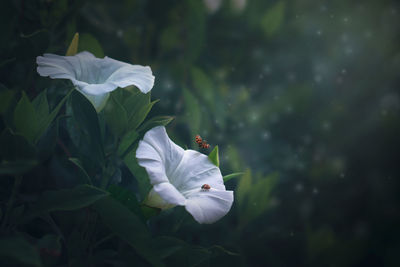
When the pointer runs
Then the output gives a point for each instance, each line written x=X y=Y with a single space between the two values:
x=78 y=164
x=232 y=175
x=73 y=47
x=25 y=119
x=6 y=97
x=139 y=117
x=204 y=87
x=45 y=118
x=89 y=43
x=127 y=142
x=149 y=212
x=155 y=121
x=273 y=18
x=214 y=156
x=18 y=250
x=243 y=187
x=258 y=198
x=116 y=116
x=67 y=199
x=176 y=252
x=235 y=160
x=133 y=100
x=138 y=172
x=17 y=154
x=41 y=105
x=125 y=197
x=85 y=117
x=17 y=167
x=193 y=112
x=128 y=227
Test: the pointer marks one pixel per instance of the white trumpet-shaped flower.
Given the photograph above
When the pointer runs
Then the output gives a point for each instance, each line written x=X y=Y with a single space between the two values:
x=182 y=177
x=95 y=77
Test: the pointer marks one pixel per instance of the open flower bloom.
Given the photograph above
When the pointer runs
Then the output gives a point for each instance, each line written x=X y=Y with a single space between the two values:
x=95 y=77
x=182 y=177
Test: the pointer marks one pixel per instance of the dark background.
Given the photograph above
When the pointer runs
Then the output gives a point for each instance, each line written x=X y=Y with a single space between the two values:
x=300 y=95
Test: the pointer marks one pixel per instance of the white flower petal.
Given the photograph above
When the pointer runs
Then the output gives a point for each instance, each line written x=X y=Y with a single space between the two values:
x=195 y=170
x=178 y=175
x=158 y=154
x=95 y=76
x=208 y=206
x=169 y=193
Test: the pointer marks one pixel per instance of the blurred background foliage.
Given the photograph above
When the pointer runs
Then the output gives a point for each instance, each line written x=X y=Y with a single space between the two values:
x=302 y=96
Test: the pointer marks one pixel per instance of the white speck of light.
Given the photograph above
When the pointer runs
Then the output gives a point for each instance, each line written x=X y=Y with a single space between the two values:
x=318 y=78
x=348 y=50
x=326 y=125
x=315 y=191
x=120 y=33
x=299 y=187
x=266 y=135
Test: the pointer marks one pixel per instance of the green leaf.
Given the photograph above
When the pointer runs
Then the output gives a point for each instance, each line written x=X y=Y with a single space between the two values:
x=193 y=112
x=85 y=117
x=17 y=167
x=18 y=155
x=6 y=97
x=155 y=121
x=25 y=119
x=15 y=146
x=139 y=117
x=41 y=105
x=255 y=199
x=87 y=42
x=243 y=187
x=138 y=172
x=125 y=197
x=204 y=87
x=214 y=157
x=42 y=111
x=127 y=142
x=73 y=47
x=128 y=227
x=273 y=18
x=18 y=250
x=133 y=100
x=116 y=116
x=178 y=253
x=232 y=175
x=66 y=199
x=78 y=164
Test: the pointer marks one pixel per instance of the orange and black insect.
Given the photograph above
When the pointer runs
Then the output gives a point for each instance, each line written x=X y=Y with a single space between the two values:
x=198 y=140
x=205 y=187
x=202 y=143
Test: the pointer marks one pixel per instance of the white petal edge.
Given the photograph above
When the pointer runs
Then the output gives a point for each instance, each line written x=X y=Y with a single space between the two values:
x=158 y=154
x=169 y=193
x=95 y=76
x=209 y=206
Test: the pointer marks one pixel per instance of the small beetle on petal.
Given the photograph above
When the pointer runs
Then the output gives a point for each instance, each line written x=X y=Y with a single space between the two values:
x=205 y=187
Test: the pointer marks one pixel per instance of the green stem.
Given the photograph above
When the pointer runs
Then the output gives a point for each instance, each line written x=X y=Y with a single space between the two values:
x=10 y=204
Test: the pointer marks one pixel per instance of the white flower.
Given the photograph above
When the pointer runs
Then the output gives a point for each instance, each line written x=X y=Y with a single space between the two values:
x=95 y=77
x=178 y=176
